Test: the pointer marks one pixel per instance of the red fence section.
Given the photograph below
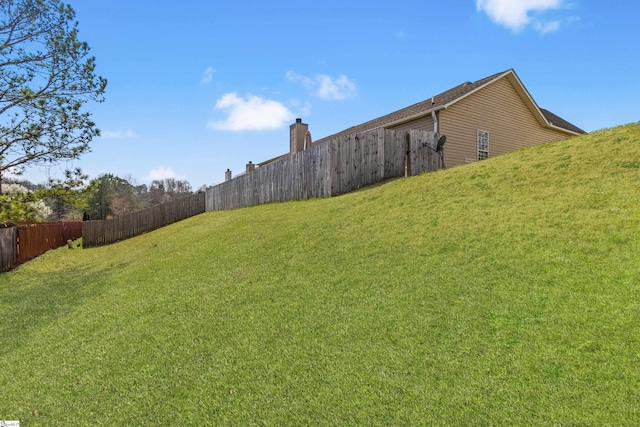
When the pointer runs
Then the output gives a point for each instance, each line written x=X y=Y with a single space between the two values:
x=36 y=238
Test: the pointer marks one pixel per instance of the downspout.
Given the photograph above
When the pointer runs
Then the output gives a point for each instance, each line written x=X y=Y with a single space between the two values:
x=436 y=129
x=434 y=117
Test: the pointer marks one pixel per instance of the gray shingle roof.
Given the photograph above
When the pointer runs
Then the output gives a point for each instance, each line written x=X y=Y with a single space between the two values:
x=560 y=122
x=439 y=102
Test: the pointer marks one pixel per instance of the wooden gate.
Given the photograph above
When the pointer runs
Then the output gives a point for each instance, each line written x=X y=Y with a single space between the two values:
x=422 y=155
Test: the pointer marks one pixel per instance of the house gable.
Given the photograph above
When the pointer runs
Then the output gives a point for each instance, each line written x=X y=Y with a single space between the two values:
x=419 y=114
x=500 y=109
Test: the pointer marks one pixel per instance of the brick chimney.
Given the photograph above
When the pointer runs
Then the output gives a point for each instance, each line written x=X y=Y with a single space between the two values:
x=250 y=167
x=227 y=175
x=298 y=133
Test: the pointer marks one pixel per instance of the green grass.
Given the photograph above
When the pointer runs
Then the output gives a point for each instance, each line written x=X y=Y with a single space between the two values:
x=504 y=292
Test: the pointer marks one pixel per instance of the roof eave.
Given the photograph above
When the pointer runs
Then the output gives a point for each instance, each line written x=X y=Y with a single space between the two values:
x=460 y=98
x=414 y=117
x=552 y=126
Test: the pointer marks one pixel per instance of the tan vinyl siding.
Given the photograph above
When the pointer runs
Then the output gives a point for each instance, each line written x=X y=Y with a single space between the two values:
x=498 y=109
x=424 y=123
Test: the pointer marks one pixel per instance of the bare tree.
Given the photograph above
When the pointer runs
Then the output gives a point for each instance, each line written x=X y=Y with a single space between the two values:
x=168 y=189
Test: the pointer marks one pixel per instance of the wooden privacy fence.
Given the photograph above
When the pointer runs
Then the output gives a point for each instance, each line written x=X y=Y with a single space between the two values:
x=8 y=248
x=27 y=241
x=335 y=167
x=37 y=238
x=102 y=232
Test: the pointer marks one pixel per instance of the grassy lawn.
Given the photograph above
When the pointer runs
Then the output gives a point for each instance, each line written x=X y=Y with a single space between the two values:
x=504 y=292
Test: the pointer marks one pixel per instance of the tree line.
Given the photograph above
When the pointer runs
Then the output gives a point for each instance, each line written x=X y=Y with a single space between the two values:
x=74 y=198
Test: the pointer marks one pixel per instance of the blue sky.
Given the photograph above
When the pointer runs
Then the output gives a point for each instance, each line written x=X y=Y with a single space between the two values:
x=197 y=87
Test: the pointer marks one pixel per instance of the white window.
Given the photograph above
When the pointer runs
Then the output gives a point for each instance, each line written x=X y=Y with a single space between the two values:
x=483 y=144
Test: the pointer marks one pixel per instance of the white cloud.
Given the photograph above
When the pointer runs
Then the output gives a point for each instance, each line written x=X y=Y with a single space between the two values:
x=326 y=87
x=161 y=173
x=515 y=14
x=307 y=82
x=207 y=76
x=339 y=88
x=303 y=110
x=548 y=27
x=118 y=134
x=250 y=113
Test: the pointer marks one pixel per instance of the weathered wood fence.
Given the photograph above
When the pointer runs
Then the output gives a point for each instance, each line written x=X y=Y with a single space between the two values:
x=331 y=168
x=102 y=232
x=8 y=248
x=27 y=241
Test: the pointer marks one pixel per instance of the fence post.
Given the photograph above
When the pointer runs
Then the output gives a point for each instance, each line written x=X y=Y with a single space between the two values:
x=407 y=157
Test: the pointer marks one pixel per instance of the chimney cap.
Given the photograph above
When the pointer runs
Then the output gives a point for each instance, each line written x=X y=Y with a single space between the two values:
x=298 y=120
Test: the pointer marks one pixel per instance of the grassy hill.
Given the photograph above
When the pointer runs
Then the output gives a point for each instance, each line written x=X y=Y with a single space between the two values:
x=504 y=292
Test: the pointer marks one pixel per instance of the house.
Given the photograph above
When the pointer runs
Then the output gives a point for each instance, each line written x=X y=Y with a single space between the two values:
x=480 y=119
